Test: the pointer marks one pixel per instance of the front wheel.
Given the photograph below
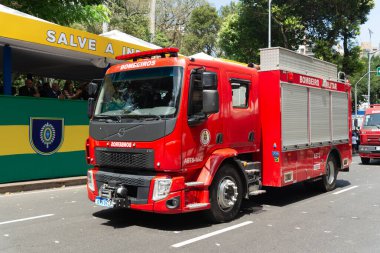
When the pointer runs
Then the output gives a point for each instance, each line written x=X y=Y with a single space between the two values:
x=365 y=160
x=226 y=194
x=328 y=182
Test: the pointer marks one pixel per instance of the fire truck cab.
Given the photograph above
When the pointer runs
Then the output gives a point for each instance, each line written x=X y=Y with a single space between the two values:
x=370 y=135
x=172 y=134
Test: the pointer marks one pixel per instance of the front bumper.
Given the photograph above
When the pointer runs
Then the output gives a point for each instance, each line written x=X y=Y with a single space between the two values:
x=140 y=192
x=369 y=151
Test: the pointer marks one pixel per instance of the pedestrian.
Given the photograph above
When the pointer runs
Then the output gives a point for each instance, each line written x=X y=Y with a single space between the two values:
x=51 y=92
x=354 y=142
x=45 y=90
x=68 y=91
x=357 y=140
x=84 y=88
x=29 y=89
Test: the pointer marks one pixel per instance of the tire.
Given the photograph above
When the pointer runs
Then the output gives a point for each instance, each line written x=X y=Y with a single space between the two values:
x=226 y=194
x=328 y=182
x=365 y=160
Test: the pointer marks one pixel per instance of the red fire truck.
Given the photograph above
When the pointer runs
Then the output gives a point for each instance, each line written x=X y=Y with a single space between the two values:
x=172 y=134
x=370 y=135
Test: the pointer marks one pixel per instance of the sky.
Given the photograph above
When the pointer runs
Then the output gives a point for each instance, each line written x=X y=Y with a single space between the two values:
x=373 y=23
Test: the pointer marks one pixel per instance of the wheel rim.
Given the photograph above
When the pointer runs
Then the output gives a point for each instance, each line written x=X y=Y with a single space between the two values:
x=330 y=172
x=227 y=193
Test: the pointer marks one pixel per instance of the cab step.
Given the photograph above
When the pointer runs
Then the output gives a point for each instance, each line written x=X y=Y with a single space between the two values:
x=256 y=192
x=251 y=168
x=253 y=171
x=197 y=205
x=251 y=165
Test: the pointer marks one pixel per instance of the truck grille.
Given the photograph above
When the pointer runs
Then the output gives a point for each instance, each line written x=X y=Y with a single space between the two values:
x=373 y=139
x=130 y=180
x=125 y=158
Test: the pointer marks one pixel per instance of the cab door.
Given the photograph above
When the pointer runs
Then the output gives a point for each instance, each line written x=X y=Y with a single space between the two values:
x=242 y=112
x=202 y=134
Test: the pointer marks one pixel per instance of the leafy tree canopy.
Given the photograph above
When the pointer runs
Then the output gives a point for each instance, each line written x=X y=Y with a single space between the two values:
x=200 y=32
x=325 y=25
x=61 y=11
x=172 y=17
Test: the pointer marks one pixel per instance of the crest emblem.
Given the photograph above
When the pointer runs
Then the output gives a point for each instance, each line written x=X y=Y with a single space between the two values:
x=46 y=134
x=205 y=137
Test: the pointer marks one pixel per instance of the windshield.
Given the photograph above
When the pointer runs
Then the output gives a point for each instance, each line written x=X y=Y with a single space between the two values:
x=372 y=121
x=153 y=92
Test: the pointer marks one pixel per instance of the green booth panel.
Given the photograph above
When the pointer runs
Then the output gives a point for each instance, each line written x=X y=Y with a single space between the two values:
x=42 y=138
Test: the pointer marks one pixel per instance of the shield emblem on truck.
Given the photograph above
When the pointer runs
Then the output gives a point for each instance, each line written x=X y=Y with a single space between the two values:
x=46 y=134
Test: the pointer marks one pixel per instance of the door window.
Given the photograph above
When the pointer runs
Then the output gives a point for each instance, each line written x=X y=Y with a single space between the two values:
x=240 y=92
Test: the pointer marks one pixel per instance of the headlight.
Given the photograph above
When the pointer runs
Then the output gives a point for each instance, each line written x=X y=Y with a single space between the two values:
x=161 y=188
x=90 y=180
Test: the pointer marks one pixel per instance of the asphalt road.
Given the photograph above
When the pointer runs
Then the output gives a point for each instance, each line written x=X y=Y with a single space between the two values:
x=293 y=219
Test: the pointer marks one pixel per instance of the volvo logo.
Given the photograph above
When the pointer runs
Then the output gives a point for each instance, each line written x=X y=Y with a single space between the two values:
x=122 y=131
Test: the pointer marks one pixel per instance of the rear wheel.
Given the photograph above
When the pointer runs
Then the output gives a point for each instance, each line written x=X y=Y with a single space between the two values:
x=328 y=182
x=365 y=160
x=226 y=194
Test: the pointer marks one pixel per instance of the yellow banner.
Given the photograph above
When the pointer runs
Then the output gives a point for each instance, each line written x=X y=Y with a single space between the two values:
x=49 y=34
x=14 y=139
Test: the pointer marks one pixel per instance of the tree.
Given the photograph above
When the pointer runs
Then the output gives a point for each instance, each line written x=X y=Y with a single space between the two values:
x=329 y=23
x=172 y=16
x=226 y=10
x=243 y=32
x=362 y=86
x=130 y=16
x=245 y=29
x=161 y=39
x=61 y=11
x=200 y=32
x=321 y=24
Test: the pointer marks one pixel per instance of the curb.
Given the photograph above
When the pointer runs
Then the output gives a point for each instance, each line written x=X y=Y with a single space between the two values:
x=42 y=184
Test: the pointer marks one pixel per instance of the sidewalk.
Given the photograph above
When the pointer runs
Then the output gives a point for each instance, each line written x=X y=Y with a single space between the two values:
x=42 y=184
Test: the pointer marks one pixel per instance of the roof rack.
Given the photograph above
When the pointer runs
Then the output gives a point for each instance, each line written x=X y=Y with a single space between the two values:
x=277 y=58
x=150 y=53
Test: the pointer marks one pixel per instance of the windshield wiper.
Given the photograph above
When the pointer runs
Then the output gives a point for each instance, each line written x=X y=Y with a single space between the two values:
x=108 y=118
x=153 y=117
x=143 y=116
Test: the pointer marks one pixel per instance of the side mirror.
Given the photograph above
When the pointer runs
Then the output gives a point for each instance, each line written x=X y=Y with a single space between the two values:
x=92 y=88
x=210 y=101
x=91 y=107
x=209 y=81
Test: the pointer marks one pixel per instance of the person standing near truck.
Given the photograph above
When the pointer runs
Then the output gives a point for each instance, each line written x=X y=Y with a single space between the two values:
x=354 y=142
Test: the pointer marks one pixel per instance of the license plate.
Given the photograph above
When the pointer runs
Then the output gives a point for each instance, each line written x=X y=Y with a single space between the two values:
x=377 y=148
x=103 y=202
